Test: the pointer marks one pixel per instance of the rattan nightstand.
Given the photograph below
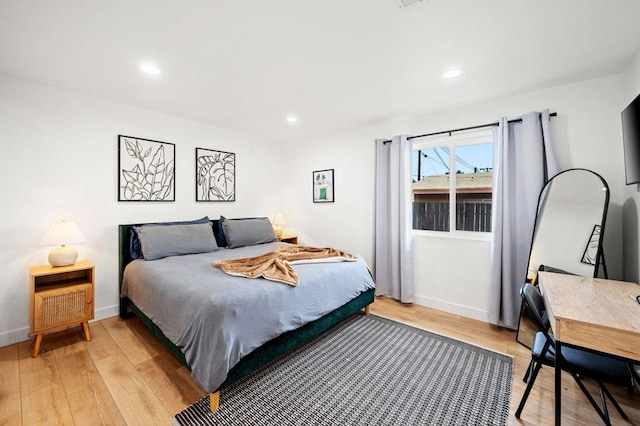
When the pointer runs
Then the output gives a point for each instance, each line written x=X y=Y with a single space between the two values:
x=60 y=296
x=287 y=238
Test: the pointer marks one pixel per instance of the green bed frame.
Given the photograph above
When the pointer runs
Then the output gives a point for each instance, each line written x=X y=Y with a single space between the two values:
x=260 y=356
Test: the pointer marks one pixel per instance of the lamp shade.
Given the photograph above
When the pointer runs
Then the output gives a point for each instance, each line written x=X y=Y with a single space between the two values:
x=60 y=234
x=278 y=219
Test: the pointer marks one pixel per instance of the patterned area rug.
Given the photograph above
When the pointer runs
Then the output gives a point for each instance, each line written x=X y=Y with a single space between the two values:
x=369 y=371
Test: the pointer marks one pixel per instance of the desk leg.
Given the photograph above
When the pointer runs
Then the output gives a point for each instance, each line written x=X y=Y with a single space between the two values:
x=558 y=382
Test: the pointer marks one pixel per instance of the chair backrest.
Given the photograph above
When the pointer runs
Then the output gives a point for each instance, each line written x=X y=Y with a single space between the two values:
x=535 y=305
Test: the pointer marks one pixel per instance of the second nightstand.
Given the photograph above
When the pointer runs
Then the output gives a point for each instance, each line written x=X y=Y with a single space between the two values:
x=287 y=238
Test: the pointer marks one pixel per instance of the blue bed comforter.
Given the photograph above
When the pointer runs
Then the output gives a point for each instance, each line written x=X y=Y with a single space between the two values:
x=217 y=319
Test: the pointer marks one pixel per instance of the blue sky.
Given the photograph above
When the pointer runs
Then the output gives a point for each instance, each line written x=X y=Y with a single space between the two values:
x=468 y=157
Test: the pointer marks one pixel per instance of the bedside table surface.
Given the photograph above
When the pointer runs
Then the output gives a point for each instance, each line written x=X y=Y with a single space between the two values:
x=288 y=238
x=48 y=269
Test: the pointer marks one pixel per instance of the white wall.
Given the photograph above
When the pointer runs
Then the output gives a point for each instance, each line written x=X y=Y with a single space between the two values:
x=59 y=161
x=453 y=274
x=631 y=192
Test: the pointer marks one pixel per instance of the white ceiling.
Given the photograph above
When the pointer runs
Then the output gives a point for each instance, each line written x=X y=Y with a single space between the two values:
x=336 y=64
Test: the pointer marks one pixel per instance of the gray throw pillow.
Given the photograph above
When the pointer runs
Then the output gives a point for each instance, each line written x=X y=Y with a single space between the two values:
x=162 y=241
x=248 y=232
x=134 y=243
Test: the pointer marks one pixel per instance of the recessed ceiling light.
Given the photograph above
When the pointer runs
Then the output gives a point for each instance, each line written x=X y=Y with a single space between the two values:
x=292 y=119
x=150 y=69
x=452 y=73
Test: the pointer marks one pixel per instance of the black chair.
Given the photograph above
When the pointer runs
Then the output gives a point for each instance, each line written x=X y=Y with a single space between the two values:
x=579 y=363
x=635 y=373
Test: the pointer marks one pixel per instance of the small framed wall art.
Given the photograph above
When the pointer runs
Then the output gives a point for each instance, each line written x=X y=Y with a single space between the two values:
x=146 y=170
x=215 y=175
x=323 y=186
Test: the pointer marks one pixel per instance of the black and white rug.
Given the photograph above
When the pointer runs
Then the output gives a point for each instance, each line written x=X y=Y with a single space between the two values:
x=369 y=371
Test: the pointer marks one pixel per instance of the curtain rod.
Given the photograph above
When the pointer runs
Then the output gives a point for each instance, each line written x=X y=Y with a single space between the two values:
x=518 y=120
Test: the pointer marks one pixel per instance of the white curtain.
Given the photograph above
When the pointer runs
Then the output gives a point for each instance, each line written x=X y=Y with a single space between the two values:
x=524 y=160
x=394 y=219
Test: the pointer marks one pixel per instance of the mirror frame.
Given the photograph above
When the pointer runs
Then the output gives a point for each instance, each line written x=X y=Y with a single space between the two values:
x=599 y=253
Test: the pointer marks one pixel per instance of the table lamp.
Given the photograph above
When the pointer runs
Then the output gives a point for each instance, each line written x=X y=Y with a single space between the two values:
x=60 y=234
x=278 y=219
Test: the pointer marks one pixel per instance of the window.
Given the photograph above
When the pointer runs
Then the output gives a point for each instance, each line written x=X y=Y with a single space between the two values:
x=453 y=181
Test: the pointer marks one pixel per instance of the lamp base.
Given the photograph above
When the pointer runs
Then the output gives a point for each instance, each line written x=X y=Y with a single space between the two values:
x=278 y=231
x=63 y=256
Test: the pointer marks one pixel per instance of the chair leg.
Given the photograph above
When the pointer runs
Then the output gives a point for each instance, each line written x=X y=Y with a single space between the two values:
x=605 y=418
x=527 y=373
x=603 y=399
x=532 y=379
x=635 y=378
x=604 y=389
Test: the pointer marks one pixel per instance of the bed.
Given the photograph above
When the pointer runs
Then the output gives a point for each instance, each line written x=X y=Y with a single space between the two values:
x=220 y=326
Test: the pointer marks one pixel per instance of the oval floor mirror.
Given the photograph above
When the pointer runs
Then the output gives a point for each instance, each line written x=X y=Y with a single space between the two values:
x=567 y=236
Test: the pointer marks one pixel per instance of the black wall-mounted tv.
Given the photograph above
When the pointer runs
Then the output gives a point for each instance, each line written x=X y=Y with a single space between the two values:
x=631 y=141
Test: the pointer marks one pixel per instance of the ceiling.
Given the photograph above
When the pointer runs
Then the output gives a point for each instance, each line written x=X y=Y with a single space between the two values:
x=335 y=64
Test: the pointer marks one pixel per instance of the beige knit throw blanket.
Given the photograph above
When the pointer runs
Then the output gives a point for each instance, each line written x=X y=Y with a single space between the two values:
x=276 y=265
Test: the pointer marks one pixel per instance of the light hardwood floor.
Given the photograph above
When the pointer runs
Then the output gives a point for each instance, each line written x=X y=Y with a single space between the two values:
x=125 y=376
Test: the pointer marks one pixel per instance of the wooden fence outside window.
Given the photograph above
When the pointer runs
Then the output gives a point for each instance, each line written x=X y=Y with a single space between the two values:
x=470 y=216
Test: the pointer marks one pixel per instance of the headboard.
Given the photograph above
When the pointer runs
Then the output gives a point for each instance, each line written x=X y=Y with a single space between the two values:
x=124 y=252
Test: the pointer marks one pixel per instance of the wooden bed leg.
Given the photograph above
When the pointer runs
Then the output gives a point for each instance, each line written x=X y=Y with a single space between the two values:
x=214 y=401
x=367 y=309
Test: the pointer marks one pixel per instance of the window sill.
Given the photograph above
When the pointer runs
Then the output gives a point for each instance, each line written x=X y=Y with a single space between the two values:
x=456 y=235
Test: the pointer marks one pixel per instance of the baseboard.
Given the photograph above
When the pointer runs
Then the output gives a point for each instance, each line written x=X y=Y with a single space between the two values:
x=452 y=308
x=21 y=334
x=108 y=312
x=14 y=336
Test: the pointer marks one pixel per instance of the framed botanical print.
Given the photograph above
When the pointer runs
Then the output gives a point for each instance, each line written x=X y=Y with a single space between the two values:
x=146 y=170
x=323 y=189
x=215 y=175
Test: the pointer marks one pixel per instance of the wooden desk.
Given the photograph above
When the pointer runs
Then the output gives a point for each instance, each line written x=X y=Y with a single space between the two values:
x=591 y=313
